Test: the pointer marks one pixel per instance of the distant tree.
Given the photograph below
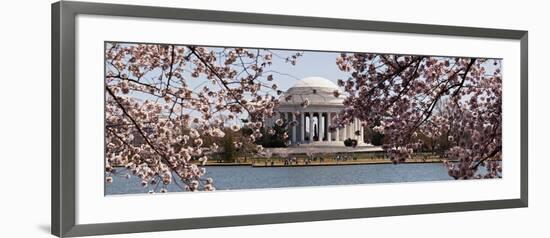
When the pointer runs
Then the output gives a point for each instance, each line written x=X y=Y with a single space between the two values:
x=373 y=136
x=377 y=138
x=228 y=145
x=276 y=136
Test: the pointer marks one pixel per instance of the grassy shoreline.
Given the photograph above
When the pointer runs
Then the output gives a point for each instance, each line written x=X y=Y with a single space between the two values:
x=278 y=162
x=302 y=160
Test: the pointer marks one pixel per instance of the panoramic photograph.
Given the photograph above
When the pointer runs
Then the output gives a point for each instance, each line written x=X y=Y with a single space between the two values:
x=188 y=118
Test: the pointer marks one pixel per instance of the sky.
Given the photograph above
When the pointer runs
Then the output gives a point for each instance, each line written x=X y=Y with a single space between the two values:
x=311 y=63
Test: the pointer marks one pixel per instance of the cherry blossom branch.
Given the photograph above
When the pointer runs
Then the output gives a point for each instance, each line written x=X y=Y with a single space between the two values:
x=140 y=131
x=221 y=81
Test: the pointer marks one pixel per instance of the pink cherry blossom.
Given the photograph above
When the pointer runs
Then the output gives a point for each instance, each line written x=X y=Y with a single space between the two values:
x=415 y=101
x=157 y=124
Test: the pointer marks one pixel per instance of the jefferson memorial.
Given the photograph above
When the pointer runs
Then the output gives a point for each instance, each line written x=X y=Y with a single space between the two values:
x=315 y=119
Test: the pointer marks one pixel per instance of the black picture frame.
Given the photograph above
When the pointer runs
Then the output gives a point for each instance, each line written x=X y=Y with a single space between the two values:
x=63 y=136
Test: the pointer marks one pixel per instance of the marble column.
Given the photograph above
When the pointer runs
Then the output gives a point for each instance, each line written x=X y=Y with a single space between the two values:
x=294 y=129
x=345 y=134
x=302 y=127
x=355 y=129
x=329 y=134
x=337 y=131
x=350 y=131
x=362 y=133
x=311 y=128
x=322 y=126
x=319 y=127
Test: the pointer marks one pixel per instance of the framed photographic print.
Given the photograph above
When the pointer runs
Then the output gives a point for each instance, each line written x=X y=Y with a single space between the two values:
x=229 y=119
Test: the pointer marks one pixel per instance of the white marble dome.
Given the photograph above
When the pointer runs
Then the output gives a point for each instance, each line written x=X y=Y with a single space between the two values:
x=315 y=82
x=318 y=90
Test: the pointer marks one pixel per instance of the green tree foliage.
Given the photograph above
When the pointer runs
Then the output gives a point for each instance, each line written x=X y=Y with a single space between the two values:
x=375 y=137
x=228 y=154
x=276 y=139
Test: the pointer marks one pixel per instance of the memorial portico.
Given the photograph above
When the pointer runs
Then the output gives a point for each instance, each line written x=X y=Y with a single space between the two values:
x=313 y=121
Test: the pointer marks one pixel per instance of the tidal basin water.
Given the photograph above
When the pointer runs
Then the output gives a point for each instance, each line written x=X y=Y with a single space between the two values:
x=247 y=177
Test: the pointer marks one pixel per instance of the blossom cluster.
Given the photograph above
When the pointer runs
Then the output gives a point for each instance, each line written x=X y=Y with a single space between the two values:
x=162 y=101
x=454 y=101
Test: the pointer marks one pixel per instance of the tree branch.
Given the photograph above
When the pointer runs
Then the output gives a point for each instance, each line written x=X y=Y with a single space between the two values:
x=125 y=112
